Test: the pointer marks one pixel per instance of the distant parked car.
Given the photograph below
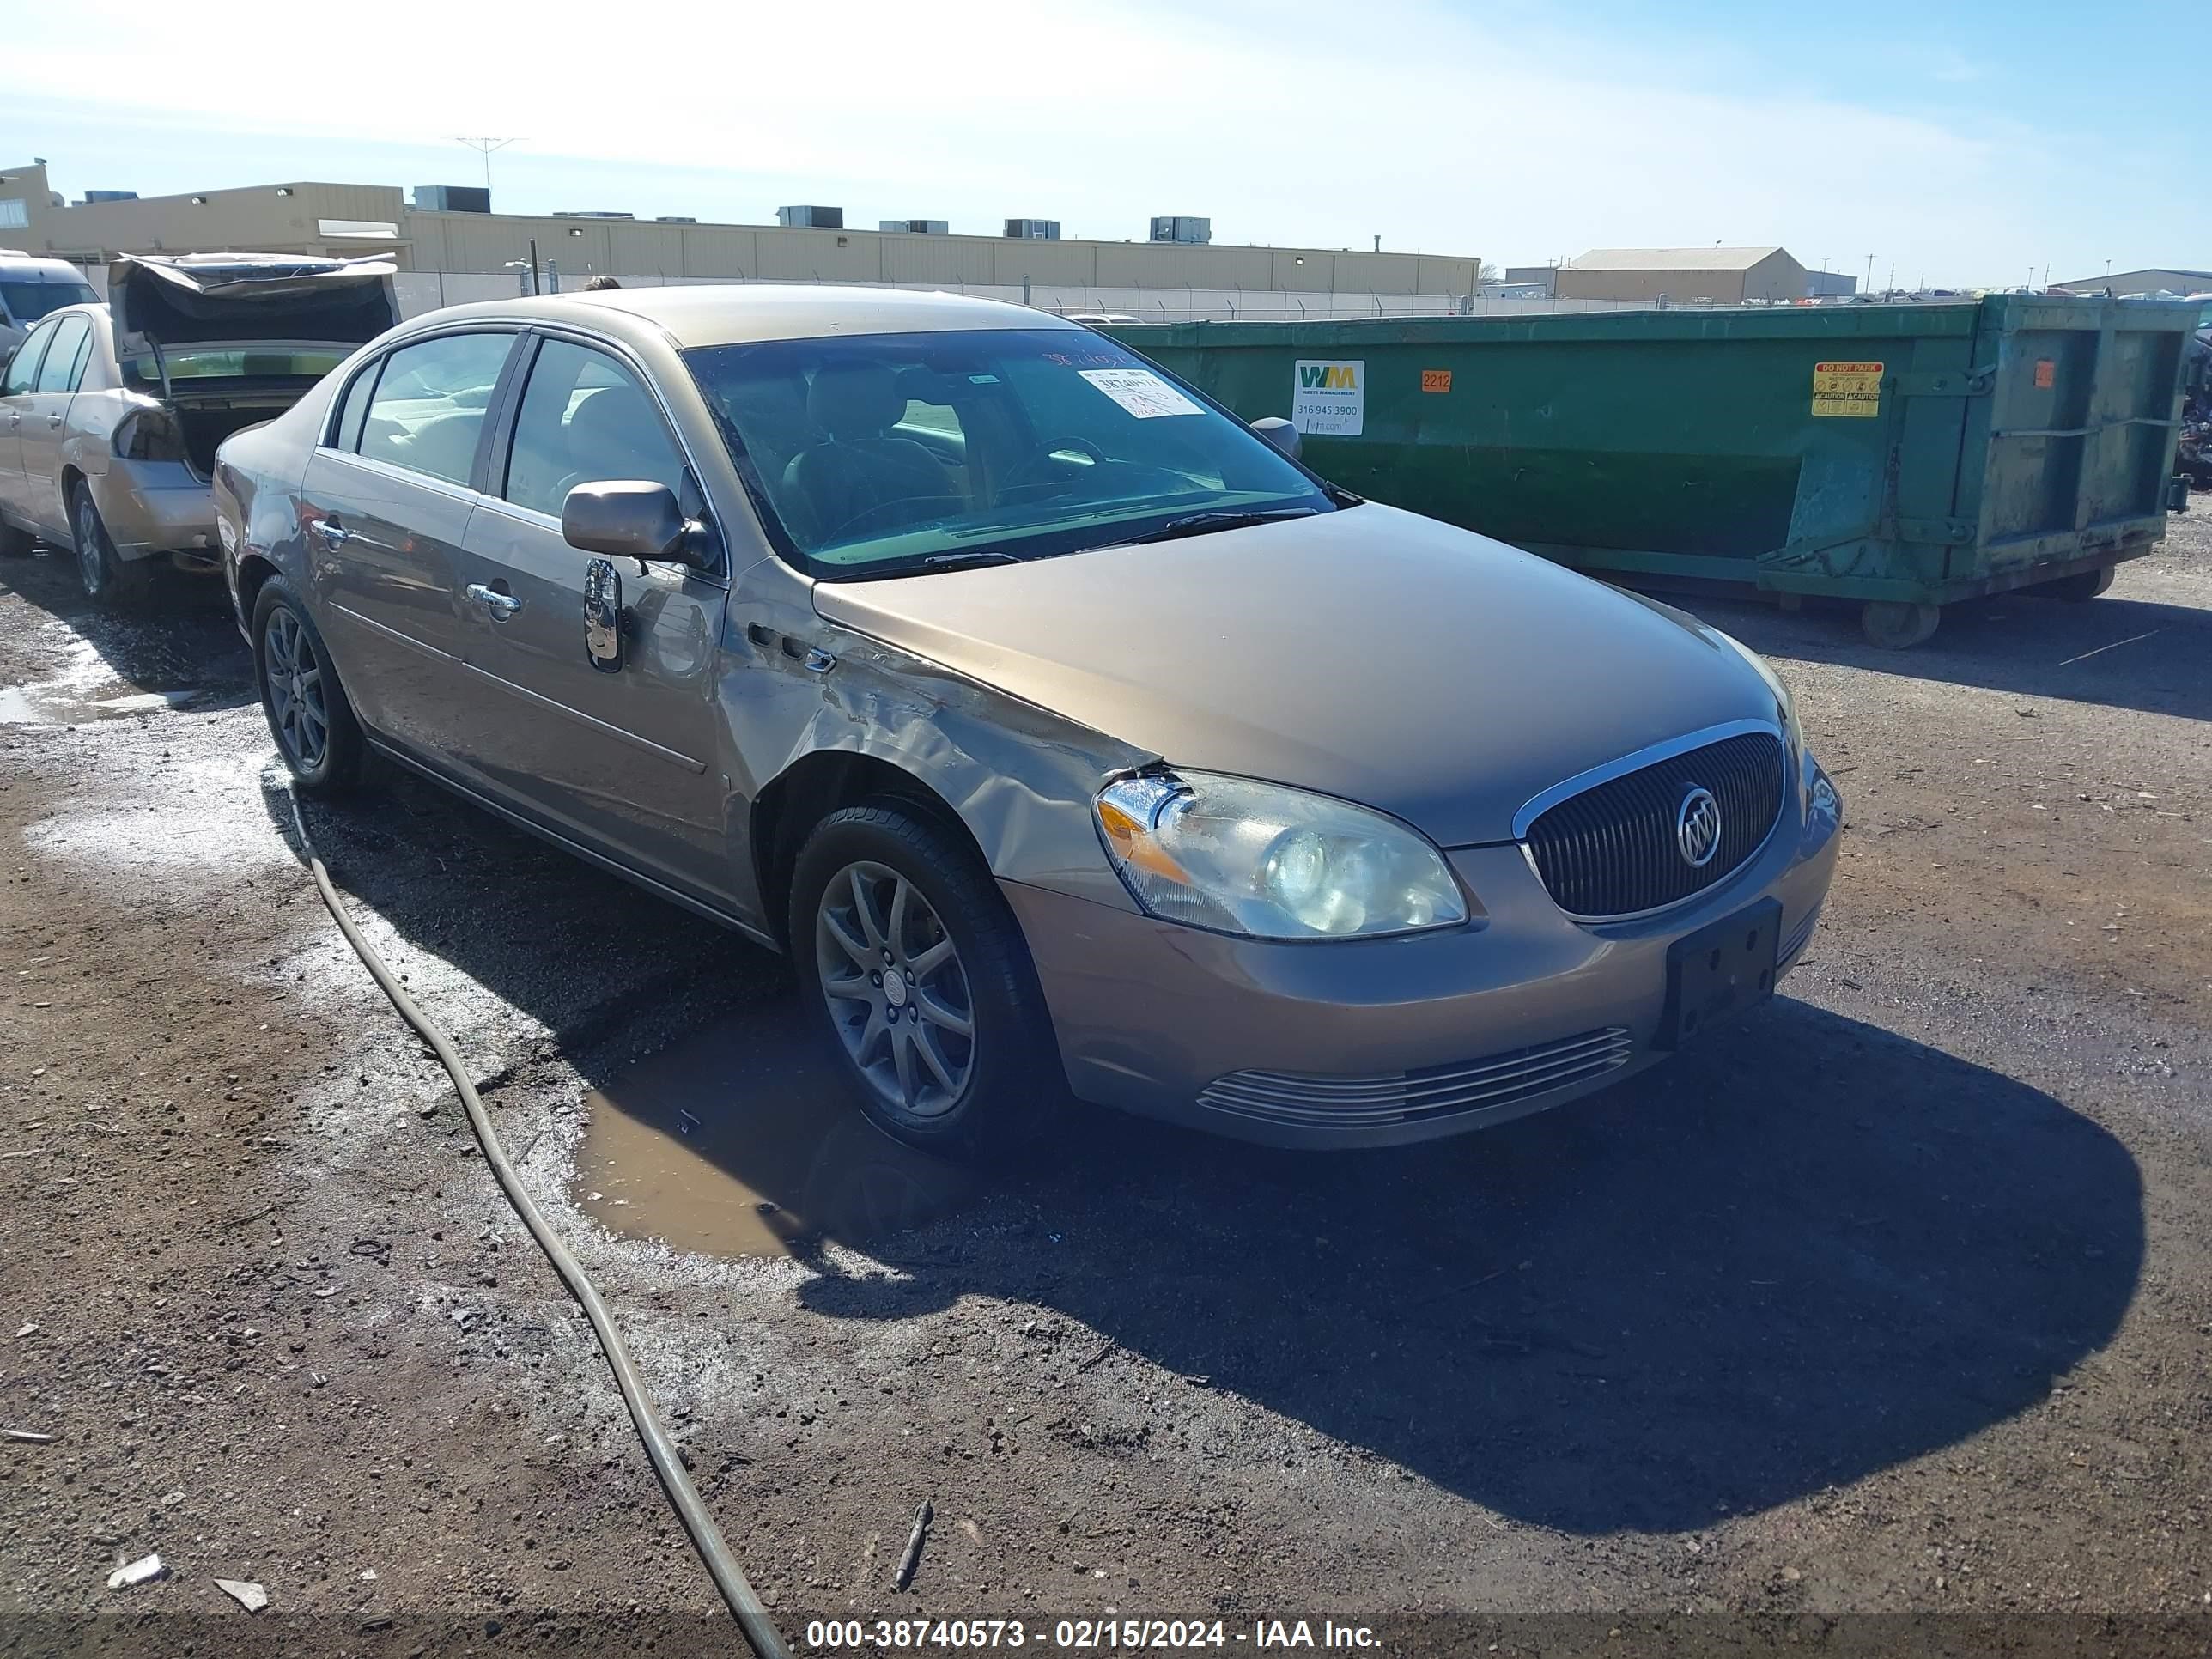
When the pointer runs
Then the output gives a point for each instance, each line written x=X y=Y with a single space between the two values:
x=1065 y=729
x=110 y=414
x=30 y=289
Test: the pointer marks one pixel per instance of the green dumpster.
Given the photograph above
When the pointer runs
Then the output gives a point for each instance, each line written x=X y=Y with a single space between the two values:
x=1904 y=456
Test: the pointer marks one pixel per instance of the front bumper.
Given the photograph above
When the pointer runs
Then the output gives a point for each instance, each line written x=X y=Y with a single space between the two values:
x=153 y=507
x=1384 y=1042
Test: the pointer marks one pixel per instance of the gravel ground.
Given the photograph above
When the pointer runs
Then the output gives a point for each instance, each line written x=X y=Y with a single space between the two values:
x=1899 y=1303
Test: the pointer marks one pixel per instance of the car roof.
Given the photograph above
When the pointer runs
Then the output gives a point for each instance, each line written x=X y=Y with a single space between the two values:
x=16 y=269
x=729 y=314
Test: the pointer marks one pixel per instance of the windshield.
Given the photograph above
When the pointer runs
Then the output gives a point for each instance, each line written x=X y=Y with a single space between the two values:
x=28 y=301
x=886 y=453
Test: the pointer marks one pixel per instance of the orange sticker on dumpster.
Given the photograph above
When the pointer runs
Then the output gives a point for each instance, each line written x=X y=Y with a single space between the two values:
x=1436 y=379
x=2046 y=374
x=1850 y=391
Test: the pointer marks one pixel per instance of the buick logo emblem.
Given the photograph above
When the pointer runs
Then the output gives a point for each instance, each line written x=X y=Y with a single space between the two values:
x=1697 y=827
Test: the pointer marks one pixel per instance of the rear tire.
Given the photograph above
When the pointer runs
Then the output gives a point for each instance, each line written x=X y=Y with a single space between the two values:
x=1897 y=627
x=317 y=736
x=2079 y=588
x=900 y=940
x=110 y=580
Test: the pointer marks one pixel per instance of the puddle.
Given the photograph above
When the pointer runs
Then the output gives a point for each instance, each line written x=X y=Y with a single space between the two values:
x=742 y=1140
x=66 y=702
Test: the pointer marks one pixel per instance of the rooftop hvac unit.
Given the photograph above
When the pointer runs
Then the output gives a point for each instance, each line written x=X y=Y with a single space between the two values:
x=1170 y=228
x=590 y=213
x=91 y=196
x=1034 y=230
x=915 y=227
x=676 y=219
x=454 y=198
x=811 y=218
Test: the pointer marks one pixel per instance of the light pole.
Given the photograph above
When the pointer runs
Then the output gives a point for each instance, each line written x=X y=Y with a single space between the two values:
x=1868 y=288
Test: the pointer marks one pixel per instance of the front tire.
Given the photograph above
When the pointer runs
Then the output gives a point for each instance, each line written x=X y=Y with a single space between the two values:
x=918 y=972
x=317 y=736
x=110 y=580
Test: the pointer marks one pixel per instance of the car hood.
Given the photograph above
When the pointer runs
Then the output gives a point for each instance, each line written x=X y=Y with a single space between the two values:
x=237 y=298
x=1367 y=654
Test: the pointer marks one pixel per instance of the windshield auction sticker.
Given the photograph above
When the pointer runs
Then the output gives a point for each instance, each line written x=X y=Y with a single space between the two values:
x=1330 y=398
x=1140 y=392
x=1851 y=391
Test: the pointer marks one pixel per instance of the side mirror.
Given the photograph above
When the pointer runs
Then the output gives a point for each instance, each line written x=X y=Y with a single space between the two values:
x=632 y=518
x=1281 y=434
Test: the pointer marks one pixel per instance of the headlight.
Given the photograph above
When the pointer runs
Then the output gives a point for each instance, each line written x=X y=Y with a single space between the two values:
x=1257 y=859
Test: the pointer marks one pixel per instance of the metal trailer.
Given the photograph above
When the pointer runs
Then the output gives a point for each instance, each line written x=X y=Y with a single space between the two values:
x=1904 y=456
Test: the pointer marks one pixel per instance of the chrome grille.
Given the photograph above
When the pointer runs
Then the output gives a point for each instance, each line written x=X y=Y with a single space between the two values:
x=1410 y=1096
x=1612 y=850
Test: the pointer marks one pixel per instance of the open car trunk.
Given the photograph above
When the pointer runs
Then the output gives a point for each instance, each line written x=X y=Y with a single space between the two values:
x=203 y=299
x=206 y=424
x=228 y=340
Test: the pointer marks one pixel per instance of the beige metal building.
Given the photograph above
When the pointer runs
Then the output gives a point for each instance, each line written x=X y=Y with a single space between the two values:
x=2171 y=280
x=351 y=220
x=1685 y=276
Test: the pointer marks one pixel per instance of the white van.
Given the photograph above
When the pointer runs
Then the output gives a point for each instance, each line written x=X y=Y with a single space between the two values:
x=30 y=288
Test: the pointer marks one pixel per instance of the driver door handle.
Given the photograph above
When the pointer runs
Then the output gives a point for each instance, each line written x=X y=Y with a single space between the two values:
x=499 y=603
x=332 y=532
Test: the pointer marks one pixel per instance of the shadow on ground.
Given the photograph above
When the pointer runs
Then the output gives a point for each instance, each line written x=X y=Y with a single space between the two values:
x=1807 y=1252
x=182 y=643
x=2128 y=653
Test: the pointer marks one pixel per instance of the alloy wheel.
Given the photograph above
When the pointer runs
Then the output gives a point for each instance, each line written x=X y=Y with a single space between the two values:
x=896 y=990
x=91 y=557
x=292 y=675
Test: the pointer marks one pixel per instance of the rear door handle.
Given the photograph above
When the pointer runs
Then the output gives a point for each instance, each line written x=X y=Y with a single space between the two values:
x=53 y=420
x=333 y=533
x=14 y=418
x=499 y=603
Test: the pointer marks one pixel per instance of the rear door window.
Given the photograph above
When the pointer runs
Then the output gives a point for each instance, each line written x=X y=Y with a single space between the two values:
x=23 y=367
x=586 y=418
x=63 y=355
x=429 y=408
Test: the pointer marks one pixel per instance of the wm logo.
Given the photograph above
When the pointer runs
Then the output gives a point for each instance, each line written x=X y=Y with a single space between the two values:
x=1327 y=376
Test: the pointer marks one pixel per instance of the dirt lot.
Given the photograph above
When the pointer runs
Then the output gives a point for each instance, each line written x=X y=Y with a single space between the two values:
x=1900 y=1303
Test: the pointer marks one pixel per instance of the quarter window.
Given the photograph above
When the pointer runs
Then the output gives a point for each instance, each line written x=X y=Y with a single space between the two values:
x=63 y=355
x=356 y=408
x=427 y=409
x=83 y=357
x=586 y=419
x=23 y=367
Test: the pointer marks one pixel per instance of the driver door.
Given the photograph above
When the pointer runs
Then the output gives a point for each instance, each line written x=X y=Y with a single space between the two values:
x=626 y=762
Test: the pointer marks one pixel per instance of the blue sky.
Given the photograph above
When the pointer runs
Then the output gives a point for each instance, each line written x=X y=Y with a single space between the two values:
x=1968 y=144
